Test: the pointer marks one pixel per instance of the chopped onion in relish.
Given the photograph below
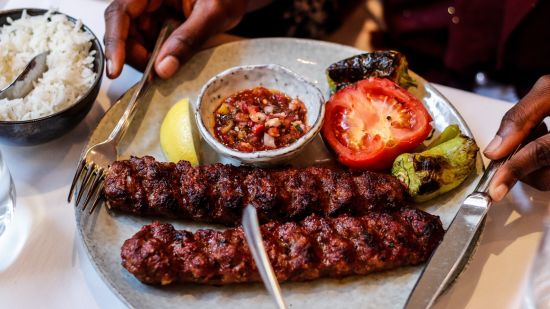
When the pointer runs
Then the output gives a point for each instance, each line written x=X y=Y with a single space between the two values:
x=259 y=119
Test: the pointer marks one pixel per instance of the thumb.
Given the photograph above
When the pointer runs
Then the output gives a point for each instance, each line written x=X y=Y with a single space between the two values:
x=520 y=120
x=534 y=156
x=207 y=18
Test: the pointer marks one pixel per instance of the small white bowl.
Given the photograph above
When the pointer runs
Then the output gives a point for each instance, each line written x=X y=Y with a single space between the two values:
x=270 y=76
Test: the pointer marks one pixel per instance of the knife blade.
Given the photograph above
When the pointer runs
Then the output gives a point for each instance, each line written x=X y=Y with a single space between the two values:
x=450 y=255
x=253 y=237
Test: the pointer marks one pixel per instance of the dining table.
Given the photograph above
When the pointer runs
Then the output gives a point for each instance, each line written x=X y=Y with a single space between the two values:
x=43 y=263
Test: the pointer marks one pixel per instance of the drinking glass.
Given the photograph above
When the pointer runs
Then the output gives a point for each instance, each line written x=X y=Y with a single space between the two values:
x=7 y=196
x=538 y=284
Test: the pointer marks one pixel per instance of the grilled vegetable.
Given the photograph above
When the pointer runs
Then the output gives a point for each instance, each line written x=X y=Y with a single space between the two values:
x=437 y=170
x=371 y=122
x=385 y=64
x=449 y=133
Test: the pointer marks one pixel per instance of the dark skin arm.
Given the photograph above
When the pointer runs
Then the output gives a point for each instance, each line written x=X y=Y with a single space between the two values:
x=132 y=26
x=531 y=164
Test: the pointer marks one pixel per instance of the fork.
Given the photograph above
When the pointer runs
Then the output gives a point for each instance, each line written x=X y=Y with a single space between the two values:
x=93 y=166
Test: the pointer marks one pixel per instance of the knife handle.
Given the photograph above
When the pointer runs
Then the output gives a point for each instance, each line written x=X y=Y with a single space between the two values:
x=490 y=171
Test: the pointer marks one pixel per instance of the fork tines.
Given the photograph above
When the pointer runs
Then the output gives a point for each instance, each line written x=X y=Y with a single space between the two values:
x=91 y=177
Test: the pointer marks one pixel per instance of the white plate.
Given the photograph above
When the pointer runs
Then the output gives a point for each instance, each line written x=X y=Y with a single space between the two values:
x=103 y=233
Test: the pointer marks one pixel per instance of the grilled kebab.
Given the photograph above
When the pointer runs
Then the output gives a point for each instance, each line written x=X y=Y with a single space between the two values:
x=217 y=193
x=299 y=251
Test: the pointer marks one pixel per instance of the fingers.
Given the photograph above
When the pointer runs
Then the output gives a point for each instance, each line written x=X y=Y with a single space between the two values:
x=147 y=29
x=208 y=17
x=118 y=16
x=188 y=7
x=136 y=54
x=524 y=164
x=539 y=179
x=518 y=122
x=153 y=5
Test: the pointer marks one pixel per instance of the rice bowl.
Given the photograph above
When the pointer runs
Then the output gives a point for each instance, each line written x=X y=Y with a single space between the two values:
x=70 y=63
x=52 y=126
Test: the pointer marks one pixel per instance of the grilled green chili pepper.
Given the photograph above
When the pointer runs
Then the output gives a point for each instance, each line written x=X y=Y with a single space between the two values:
x=437 y=170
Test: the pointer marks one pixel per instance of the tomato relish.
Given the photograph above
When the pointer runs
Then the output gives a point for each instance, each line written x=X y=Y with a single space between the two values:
x=259 y=119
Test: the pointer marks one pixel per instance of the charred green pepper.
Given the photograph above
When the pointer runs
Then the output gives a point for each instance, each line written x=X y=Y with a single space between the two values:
x=437 y=170
x=449 y=133
x=385 y=64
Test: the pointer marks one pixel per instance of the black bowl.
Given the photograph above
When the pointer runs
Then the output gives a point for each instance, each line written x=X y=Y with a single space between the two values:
x=40 y=130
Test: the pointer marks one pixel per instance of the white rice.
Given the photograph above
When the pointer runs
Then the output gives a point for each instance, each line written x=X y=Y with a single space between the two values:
x=70 y=64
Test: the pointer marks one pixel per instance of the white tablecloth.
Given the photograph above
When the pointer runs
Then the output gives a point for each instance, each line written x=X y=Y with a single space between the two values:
x=42 y=263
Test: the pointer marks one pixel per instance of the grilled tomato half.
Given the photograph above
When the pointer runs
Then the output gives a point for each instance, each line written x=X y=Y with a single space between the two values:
x=369 y=123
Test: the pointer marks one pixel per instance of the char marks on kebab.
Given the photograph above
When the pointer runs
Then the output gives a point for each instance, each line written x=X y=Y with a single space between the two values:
x=299 y=251
x=217 y=193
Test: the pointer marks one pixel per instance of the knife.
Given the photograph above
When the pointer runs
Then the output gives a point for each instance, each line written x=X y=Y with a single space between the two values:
x=450 y=255
x=253 y=237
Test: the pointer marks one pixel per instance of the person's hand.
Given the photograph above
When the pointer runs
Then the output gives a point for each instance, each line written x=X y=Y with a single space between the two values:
x=531 y=164
x=132 y=26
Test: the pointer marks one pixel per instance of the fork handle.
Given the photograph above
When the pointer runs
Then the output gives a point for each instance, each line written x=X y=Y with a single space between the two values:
x=124 y=121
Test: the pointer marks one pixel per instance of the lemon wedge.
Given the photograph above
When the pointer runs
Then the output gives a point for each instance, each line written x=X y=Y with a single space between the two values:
x=176 y=137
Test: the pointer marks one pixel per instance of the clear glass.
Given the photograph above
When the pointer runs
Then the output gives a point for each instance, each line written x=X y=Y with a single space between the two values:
x=7 y=196
x=538 y=285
